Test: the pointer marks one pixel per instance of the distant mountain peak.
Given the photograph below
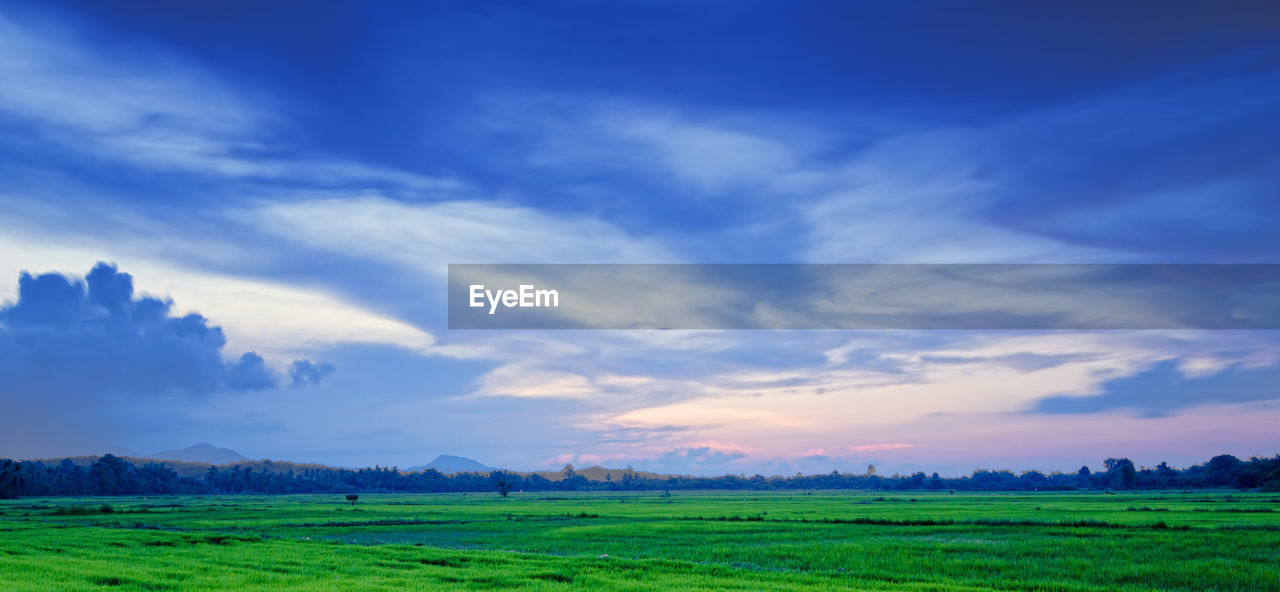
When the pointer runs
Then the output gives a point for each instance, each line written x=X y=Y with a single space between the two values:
x=203 y=452
x=448 y=463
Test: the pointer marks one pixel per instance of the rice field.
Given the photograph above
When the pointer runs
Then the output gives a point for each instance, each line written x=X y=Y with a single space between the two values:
x=741 y=540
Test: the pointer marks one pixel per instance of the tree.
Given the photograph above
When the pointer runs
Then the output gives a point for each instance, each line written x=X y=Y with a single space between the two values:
x=1033 y=479
x=1273 y=481
x=504 y=482
x=871 y=470
x=1121 y=473
x=111 y=475
x=69 y=478
x=1128 y=475
x=11 y=479
x=1222 y=469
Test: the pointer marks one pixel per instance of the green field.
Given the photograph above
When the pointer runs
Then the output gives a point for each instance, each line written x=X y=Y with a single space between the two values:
x=646 y=541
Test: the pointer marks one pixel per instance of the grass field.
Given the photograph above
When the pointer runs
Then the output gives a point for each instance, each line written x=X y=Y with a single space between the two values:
x=643 y=541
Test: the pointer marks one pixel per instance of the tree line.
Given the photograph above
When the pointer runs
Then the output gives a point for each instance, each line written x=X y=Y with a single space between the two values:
x=112 y=475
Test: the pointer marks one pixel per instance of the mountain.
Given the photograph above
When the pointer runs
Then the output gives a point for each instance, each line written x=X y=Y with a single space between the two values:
x=202 y=453
x=446 y=463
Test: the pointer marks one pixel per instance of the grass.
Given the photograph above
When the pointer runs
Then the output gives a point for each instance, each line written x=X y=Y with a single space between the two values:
x=643 y=541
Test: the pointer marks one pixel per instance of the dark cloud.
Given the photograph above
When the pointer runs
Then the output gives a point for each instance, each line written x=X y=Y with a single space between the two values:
x=1163 y=389
x=79 y=353
x=249 y=372
x=304 y=372
x=1199 y=190
x=67 y=331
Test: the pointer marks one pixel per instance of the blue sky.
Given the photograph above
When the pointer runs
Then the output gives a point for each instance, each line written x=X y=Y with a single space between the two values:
x=301 y=177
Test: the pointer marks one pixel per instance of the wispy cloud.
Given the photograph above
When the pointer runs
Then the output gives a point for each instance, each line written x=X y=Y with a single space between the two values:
x=1162 y=390
x=1016 y=188
x=878 y=447
x=428 y=236
x=711 y=158
x=904 y=389
x=151 y=110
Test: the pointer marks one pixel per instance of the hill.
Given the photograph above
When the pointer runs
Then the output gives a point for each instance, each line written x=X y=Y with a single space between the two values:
x=201 y=453
x=446 y=463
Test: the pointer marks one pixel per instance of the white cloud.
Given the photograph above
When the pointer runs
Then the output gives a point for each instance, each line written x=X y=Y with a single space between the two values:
x=711 y=158
x=428 y=236
x=277 y=320
x=152 y=110
x=851 y=407
x=918 y=198
x=908 y=196
x=523 y=380
x=1085 y=173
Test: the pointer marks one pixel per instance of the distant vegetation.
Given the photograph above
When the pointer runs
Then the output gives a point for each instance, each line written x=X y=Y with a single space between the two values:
x=112 y=475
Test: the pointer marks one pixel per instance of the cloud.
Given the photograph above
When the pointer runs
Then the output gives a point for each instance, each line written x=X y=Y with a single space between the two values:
x=1085 y=180
x=879 y=447
x=719 y=459
x=429 y=236
x=1127 y=174
x=306 y=372
x=151 y=110
x=94 y=335
x=612 y=181
x=709 y=157
x=250 y=372
x=872 y=395
x=701 y=460
x=899 y=193
x=78 y=352
x=275 y=319
x=1164 y=389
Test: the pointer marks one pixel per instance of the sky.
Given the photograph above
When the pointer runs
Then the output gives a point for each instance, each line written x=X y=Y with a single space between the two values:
x=231 y=222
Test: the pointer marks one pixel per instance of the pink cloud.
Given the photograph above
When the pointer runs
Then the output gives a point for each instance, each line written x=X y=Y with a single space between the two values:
x=844 y=450
x=875 y=447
